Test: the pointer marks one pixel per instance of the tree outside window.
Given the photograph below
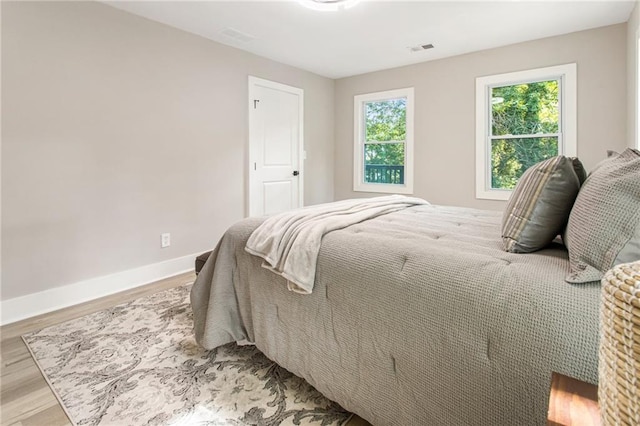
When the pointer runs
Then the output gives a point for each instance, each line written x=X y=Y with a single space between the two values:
x=522 y=118
x=383 y=145
x=385 y=134
x=525 y=129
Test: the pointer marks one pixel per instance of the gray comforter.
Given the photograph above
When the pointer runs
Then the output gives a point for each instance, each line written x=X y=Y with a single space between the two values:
x=417 y=317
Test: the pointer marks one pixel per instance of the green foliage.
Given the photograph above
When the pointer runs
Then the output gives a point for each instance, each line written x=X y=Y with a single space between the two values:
x=511 y=157
x=525 y=109
x=388 y=154
x=522 y=109
x=386 y=121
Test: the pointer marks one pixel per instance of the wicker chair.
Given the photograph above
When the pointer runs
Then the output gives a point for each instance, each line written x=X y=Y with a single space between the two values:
x=619 y=367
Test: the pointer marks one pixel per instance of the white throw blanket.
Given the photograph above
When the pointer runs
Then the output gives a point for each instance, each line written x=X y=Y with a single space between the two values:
x=289 y=242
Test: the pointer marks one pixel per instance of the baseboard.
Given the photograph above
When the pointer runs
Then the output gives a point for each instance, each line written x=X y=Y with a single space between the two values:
x=28 y=306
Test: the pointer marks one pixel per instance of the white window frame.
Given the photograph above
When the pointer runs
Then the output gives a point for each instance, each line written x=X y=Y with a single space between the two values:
x=636 y=136
x=567 y=138
x=359 y=141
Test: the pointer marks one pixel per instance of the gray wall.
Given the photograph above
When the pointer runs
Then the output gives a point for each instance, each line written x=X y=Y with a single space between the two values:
x=632 y=60
x=445 y=108
x=116 y=129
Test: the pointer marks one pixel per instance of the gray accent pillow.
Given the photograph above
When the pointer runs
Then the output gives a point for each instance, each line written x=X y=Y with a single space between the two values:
x=604 y=225
x=539 y=206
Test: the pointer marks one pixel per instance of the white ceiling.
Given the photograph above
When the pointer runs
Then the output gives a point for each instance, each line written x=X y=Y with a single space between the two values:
x=374 y=34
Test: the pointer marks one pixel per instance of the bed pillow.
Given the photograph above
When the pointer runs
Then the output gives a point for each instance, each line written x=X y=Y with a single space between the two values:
x=539 y=206
x=604 y=225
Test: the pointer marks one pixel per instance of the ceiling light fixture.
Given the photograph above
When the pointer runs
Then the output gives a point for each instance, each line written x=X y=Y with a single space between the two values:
x=329 y=5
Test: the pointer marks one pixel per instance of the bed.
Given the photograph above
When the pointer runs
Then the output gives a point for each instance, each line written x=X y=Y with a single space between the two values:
x=417 y=317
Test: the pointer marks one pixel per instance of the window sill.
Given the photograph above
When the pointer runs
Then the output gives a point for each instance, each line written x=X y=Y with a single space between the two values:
x=383 y=188
x=493 y=194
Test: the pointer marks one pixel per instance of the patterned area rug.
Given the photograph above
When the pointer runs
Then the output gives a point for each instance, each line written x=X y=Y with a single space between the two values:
x=138 y=364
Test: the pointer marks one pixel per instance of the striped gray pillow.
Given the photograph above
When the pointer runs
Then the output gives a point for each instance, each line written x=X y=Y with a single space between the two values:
x=604 y=226
x=539 y=206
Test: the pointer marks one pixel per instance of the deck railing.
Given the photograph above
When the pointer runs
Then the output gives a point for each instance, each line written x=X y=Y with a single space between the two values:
x=379 y=173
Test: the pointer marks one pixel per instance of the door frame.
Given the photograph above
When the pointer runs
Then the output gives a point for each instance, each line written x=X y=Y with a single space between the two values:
x=253 y=83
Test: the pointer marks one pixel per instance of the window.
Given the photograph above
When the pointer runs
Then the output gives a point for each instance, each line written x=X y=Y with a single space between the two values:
x=383 y=146
x=637 y=105
x=522 y=118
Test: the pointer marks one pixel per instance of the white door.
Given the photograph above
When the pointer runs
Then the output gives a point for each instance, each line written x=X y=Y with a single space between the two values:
x=275 y=147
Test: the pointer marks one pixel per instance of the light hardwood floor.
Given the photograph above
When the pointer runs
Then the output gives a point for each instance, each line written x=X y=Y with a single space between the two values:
x=25 y=397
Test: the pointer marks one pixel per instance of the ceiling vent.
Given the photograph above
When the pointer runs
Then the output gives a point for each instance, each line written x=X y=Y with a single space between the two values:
x=421 y=47
x=237 y=35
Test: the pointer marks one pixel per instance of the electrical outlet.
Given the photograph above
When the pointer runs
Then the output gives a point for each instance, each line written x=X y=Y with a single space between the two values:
x=165 y=240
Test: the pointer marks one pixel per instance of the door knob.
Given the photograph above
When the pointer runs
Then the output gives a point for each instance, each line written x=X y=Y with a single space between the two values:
x=296 y=173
